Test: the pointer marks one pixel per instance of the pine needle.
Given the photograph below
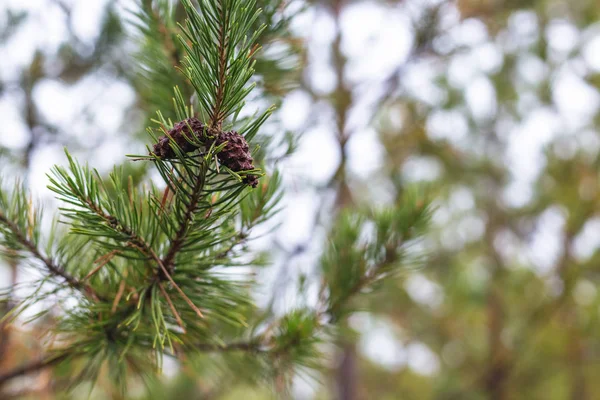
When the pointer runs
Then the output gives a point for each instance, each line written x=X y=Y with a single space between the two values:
x=183 y=295
x=119 y=294
x=171 y=306
x=102 y=260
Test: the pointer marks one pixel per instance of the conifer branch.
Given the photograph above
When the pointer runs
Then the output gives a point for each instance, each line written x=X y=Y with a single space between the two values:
x=167 y=263
x=181 y=292
x=251 y=346
x=134 y=240
x=44 y=363
x=54 y=268
x=171 y=306
x=365 y=281
x=32 y=367
x=140 y=244
x=216 y=118
x=239 y=239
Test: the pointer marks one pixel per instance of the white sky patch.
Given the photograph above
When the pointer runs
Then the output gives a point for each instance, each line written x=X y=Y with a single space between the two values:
x=576 y=100
x=29 y=5
x=418 y=79
x=531 y=69
x=320 y=74
x=300 y=207
x=112 y=154
x=103 y=98
x=481 y=98
x=116 y=98
x=319 y=30
x=525 y=156
x=546 y=241
x=170 y=367
x=422 y=360
x=45 y=157
x=588 y=240
x=591 y=52
x=470 y=228
x=295 y=109
x=381 y=346
x=87 y=18
x=417 y=169
x=384 y=37
x=461 y=70
x=318 y=155
x=13 y=133
x=56 y=101
x=523 y=30
x=562 y=36
x=510 y=248
x=447 y=124
x=424 y=291
x=488 y=57
x=365 y=152
x=470 y=32
x=17 y=52
x=462 y=199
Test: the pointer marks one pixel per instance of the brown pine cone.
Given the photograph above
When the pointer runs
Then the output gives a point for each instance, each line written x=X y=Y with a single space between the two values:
x=180 y=131
x=235 y=156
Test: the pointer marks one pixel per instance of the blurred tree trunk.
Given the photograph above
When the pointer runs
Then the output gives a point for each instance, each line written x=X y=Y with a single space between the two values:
x=575 y=349
x=346 y=373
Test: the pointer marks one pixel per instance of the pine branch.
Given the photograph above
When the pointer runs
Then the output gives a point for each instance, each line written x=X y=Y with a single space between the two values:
x=54 y=268
x=369 y=278
x=134 y=240
x=44 y=363
x=32 y=367
x=252 y=346
x=239 y=239
x=216 y=118
x=188 y=217
x=350 y=264
x=140 y=244
x=219 y=54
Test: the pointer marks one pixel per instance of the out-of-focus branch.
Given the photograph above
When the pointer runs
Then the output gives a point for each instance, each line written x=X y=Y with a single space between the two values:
x=52 y=267
x=32 y=367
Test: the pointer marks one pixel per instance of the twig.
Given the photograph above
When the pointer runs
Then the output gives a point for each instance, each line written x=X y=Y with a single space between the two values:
x=216 y=117
x=183 y=295
x=49 y=263
x=237 y=346
x=103 y=260
x=119 y=295
x=171 y=306
x=32 y=367
x=139 y=243
x=177 y=242
x=39 y=365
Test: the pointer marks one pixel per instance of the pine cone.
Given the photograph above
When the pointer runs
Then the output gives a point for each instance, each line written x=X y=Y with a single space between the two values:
x=180 y=131
x=235 y=156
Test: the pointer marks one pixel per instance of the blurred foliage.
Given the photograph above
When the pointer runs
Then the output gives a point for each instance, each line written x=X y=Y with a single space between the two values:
x=517 y=302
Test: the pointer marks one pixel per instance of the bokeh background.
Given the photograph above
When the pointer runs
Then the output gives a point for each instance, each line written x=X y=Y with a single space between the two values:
x=493 y=106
